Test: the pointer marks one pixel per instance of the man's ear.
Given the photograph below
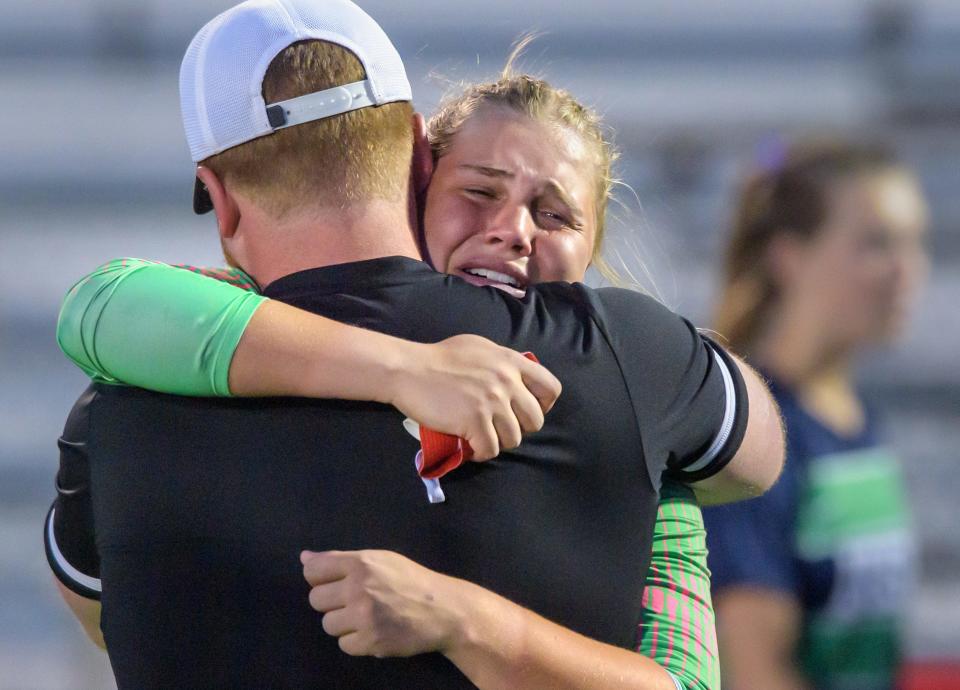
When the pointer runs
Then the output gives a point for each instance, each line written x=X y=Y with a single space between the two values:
x=224 y=205
x=422 y=156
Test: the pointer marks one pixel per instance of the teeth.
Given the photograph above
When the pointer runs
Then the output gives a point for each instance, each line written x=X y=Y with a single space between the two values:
x=493 y=275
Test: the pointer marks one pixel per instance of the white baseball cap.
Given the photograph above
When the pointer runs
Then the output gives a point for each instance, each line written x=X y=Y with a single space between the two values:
x=221 y=78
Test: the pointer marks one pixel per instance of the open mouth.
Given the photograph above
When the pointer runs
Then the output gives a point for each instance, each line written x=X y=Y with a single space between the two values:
x=501 y=281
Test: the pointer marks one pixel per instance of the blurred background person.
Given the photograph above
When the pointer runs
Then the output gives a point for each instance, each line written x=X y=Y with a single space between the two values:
x=812 y=581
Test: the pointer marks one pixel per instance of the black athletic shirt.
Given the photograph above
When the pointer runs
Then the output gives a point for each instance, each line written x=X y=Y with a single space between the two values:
x=190 y=513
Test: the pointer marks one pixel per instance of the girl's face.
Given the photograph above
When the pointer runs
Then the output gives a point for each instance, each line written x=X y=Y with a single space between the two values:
x=511 y=204
x=860 y=273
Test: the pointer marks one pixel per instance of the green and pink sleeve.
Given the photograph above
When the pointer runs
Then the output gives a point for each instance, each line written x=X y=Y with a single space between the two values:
x=677 y=628
x=157 y=326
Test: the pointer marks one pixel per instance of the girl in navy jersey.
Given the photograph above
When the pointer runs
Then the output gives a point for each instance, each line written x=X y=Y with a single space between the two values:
x=811 y=580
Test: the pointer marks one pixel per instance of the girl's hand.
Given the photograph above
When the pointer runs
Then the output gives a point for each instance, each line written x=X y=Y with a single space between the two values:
x=468 y=386
x=379 y=603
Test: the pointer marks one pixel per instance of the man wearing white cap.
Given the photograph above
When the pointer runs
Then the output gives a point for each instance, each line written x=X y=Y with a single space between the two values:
x=196 y=509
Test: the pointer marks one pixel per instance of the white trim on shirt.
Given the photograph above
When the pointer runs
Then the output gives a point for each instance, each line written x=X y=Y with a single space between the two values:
x=729 y=414
x=68 y=570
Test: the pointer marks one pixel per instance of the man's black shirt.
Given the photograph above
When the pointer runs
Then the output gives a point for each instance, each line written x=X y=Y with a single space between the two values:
x=192 y=512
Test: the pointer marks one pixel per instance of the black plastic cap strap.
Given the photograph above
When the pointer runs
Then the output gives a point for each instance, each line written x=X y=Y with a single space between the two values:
x=201 y=198
x=277 y=116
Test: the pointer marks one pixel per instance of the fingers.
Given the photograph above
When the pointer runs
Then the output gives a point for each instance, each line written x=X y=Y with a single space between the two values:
x=339 y=622
x=531 y=399
x=508 y=429
x=484 y=442
x=355 y=644
x=487 y=394
x=328 y=566
x=527 y=411
x=332 y=573
x=522 y=406
x=329 y=597
x=544 y=386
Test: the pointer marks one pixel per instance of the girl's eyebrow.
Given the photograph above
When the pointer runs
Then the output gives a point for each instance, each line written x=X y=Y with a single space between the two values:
x=487 y=170
x=554 y=187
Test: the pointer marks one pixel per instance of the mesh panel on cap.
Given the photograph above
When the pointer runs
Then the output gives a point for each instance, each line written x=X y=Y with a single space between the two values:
x=325 y=18
x=233 y=50
x=220 y=80
x=191 y=104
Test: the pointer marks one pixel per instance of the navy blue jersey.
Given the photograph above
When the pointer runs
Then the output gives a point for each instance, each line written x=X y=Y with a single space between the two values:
x=833 y=533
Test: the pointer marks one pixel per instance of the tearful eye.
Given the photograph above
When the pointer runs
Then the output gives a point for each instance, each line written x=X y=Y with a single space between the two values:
x=483 y=193
x=553 y=218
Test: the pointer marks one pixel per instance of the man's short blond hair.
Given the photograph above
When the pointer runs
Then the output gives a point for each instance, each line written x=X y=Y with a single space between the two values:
x=339 y=161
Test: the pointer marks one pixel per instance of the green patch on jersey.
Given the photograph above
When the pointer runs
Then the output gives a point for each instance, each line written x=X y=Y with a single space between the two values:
x=853 y=513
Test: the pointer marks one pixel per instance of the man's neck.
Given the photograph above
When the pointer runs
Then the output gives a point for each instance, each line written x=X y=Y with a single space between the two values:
x=326 y=237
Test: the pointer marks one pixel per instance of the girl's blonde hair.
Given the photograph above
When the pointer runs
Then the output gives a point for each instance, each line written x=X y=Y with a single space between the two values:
x=542 y=102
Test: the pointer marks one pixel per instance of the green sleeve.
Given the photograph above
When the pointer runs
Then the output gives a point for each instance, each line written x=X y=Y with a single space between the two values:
x=677 y=627
x=157 y=326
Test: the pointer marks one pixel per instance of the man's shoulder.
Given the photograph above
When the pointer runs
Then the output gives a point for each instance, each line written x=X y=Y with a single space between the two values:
x=616 y=311
x=615 y=301
x=622 y=316
x=544 y=311
x=624 y=302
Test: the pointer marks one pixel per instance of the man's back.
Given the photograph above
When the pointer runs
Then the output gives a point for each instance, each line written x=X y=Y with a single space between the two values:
x=201 y=507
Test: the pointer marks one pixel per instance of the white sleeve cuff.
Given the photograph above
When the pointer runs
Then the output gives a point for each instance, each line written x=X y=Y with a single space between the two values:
x=729 y=414
x=84 y=585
